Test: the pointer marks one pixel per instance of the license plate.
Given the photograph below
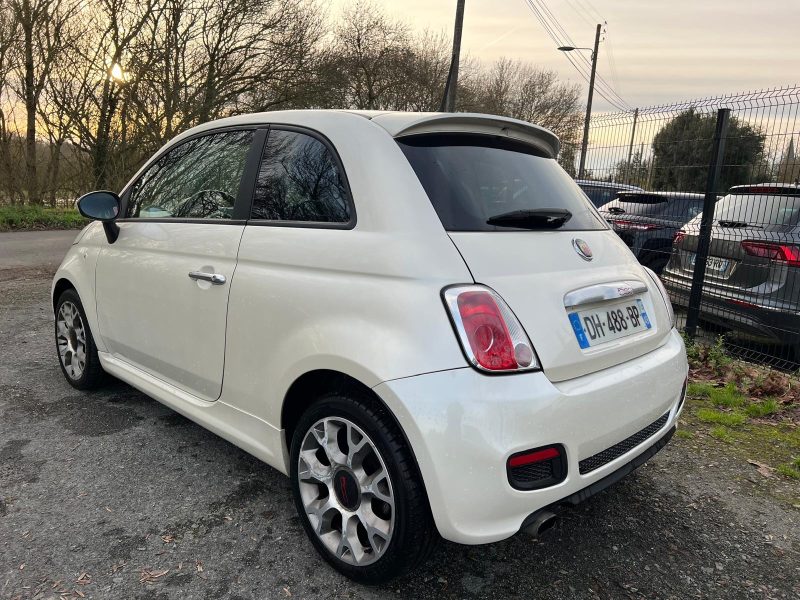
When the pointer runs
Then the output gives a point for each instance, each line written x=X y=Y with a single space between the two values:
x=713 y=263
x=600 y=325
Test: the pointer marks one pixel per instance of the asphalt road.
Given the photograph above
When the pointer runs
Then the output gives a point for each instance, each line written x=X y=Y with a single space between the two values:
x=34 y=249
x=111 y=495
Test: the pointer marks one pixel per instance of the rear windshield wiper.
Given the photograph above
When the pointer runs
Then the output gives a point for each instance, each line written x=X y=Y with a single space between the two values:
x=724 y=223
x=540 y=218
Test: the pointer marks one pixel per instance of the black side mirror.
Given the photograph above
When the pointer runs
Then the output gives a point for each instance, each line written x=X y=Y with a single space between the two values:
x=102 y=206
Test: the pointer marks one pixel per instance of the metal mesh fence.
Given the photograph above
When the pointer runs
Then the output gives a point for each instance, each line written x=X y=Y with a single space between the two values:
x=706 y=194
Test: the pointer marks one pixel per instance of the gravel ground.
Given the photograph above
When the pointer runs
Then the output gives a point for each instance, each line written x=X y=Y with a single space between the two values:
x=111 y=495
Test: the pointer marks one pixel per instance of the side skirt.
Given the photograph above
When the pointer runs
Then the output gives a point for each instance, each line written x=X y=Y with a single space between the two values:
x=249 y=432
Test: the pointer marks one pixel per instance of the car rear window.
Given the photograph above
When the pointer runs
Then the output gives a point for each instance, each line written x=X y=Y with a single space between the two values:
x=653 y=205
x=760 y=210
x=472 y=178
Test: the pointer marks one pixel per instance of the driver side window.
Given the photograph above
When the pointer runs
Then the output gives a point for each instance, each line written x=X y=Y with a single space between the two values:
x=198 y=179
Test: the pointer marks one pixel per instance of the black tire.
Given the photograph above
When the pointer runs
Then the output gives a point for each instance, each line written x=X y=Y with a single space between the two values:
x=658 y=264
x=414 y=534
x=92 y=375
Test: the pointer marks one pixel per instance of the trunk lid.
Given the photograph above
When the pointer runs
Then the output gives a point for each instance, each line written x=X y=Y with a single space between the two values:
x=533 y=271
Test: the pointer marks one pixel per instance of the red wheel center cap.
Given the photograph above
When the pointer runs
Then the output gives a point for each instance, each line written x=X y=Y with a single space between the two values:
x=347 y=491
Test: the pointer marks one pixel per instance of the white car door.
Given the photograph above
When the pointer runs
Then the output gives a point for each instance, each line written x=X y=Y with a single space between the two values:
x=162 y=286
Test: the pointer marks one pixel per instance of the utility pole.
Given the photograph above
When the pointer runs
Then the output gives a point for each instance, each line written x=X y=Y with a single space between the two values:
x=450 y=88
x=585 y=142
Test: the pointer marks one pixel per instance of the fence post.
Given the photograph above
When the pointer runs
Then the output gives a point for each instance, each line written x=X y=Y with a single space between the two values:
x=714 y=168
x=630 y=147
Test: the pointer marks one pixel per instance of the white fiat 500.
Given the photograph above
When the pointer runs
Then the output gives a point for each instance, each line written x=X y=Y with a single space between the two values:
x=420 y=318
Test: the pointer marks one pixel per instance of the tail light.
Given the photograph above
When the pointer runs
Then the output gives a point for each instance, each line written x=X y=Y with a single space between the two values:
x=664 y=295
x=678 y=238
x=773 y=251
x=490 y=335
x=635 y=225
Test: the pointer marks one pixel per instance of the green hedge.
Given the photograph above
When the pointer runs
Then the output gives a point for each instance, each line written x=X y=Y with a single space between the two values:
x=21 y=218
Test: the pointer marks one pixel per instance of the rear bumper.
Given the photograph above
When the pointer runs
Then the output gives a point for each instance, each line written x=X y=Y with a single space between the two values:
x=606 y=482
x=463 y=425
x=743 y=315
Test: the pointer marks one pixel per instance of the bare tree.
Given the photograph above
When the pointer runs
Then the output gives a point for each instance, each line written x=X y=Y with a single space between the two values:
x=368 y=48
x=41 y=24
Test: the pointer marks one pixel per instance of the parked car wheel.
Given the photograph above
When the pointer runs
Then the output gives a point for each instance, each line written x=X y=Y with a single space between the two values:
x=77 y=353
x=358 y=490
x=658 y=263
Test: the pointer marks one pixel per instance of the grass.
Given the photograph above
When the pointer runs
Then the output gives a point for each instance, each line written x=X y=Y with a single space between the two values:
x=728 y=396
x=721 y=433
x=21 y=218
x=753 y=411
x=762 y=409
x=728 y=419
x=791 y=469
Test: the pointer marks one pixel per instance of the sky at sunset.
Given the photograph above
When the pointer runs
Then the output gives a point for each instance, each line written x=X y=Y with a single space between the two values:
x=663 y=51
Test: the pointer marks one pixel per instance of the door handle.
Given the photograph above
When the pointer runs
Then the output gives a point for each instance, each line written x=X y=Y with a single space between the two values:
x=213 y=278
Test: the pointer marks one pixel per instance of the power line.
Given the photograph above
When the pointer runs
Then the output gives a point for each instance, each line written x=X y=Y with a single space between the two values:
x=600 y=81
x=612 y=63
x=559 y=35
x=580 y=13
x=604 y=88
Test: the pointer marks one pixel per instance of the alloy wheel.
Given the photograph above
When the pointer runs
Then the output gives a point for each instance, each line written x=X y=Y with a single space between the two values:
x=71 y=340
x=346 y=491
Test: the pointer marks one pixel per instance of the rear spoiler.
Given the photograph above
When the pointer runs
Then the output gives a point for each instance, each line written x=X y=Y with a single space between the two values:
x=404 y=124
x=769 y=189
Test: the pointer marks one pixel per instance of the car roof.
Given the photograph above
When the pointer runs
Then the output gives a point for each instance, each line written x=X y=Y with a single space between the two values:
x=774 y=189
x=667 y=195
x=608 y=184
x=399 y=124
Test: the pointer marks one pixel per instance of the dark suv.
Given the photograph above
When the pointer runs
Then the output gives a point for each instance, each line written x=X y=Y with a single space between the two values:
x=601 y=192
x=648 y=221
x=752 y=283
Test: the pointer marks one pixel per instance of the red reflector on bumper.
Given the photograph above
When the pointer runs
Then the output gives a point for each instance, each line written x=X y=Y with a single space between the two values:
x=534 y=457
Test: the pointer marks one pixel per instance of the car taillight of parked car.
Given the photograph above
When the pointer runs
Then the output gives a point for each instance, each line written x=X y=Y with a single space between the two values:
x=778 y=252
x=623 y=224
x=490 y=335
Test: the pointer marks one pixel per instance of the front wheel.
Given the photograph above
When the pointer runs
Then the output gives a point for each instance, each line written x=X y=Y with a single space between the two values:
x=358 y=490
x=77 y=353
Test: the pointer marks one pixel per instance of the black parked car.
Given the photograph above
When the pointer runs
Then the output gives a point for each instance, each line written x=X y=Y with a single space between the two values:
x=647 y=222
x=602 y=192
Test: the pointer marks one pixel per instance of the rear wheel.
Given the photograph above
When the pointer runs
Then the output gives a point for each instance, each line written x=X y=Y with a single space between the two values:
x=658 y=263
x=358 y=491
x=77 y=353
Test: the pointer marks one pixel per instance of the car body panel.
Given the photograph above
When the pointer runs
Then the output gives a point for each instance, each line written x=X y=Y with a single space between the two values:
x=180 y=341
x=360 y=303
x=463 y=426
x=534 y=270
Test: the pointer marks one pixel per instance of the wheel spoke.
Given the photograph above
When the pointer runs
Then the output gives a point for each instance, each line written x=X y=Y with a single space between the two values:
x=350 y=539
x=311 y=469
x=357 y=447
x=377 y=486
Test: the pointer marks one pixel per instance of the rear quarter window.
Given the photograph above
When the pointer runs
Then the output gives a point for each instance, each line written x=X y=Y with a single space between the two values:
x=472 y=178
